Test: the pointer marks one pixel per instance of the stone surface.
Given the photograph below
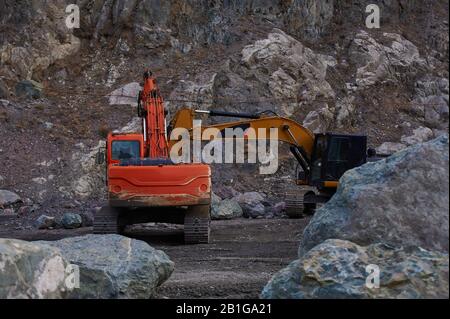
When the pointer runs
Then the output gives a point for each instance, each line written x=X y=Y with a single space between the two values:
x=126 y=95
x=420 y=135
x=29 y=89
x=431 y=101
x=319 y=121
x=377 y=62
x=289 y=67
x=114 y=266
x=71 y=221
x=402 y=201
x=8 y=198
x=31 y=271
x=336 y=269
x=251 y=204
x=226 y=209
x=92 y=179
x=389 y=148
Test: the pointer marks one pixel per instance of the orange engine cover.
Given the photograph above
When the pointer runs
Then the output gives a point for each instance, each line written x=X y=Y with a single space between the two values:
x=165 y=185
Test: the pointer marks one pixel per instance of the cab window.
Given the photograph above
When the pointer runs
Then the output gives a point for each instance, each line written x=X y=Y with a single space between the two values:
x=339 y=149
x=124 y=150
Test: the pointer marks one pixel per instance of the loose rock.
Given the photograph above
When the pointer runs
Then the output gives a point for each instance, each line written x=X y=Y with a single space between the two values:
x=226 y=209
x=8 y=198
x=71 y=221
x=45 y=222
x=251 y=204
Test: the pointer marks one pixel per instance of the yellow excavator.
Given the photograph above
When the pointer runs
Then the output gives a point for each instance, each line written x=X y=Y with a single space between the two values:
x=323 y=158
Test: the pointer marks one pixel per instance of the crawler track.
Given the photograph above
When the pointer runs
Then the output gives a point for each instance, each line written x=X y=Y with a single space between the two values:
x=106 y=221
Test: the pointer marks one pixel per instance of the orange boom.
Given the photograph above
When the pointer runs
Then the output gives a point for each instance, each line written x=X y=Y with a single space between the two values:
x=143 y=181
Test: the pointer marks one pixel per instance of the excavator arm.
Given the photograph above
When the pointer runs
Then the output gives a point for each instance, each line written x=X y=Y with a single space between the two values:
x=300 y=138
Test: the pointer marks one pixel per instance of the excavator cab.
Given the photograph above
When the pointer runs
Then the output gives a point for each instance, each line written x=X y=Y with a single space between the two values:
x=333 y=155
x=122 y=147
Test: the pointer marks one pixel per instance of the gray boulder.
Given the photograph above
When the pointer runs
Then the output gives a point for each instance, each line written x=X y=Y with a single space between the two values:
x=8 y=198
x=30 y=271
x=114 y=266
x=226 y=209
x=251 y=204
x=71 y=221
x=337 y=269
x=402 y=201
x=45 y=222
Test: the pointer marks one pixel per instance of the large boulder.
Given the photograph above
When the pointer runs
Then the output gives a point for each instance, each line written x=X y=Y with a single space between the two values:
x=29 y=270
x=338 y=269
x=114 y=266
x=402 y=200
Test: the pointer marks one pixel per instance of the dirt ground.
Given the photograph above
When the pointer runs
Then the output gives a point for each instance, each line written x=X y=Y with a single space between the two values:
x=241 y=258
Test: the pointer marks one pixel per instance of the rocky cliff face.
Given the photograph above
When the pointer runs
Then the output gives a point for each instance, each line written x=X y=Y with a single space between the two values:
x=314 y=61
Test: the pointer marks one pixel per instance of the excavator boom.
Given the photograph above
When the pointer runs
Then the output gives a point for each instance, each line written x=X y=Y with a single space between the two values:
x=151 y=109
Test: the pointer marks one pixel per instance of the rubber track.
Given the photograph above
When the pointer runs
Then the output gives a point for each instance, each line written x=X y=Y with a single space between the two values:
x=106 y=222
x=196 y=230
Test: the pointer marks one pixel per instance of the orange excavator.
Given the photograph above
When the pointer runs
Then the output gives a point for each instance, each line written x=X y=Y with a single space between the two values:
x=144 y=185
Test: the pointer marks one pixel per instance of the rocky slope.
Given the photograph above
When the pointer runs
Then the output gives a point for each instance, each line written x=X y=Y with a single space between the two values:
x=314 y=61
